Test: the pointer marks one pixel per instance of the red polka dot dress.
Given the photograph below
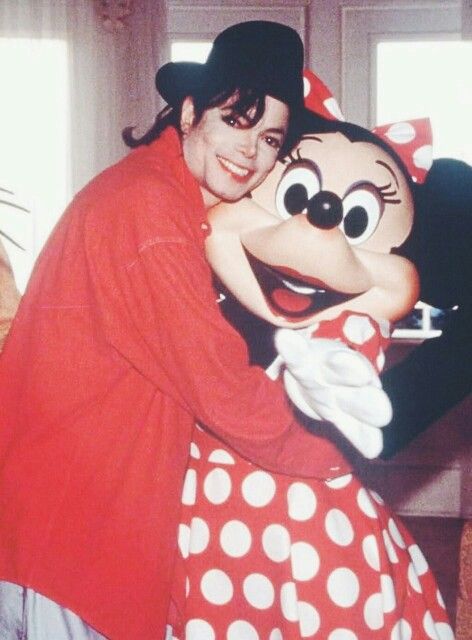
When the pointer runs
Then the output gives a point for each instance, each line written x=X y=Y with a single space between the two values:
x=263 y=556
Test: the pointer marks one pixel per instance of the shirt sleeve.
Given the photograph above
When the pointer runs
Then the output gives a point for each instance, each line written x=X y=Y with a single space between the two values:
x=161 y=315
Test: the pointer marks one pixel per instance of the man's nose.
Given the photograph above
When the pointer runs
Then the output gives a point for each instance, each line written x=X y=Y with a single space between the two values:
x=325 y=210
x=248 y=144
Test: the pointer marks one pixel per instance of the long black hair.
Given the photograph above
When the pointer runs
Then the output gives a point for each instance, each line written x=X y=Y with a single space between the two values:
x=247 y=100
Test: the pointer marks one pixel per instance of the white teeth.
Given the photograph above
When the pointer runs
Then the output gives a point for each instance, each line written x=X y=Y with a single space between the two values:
x=240 y=171
x=306 y=291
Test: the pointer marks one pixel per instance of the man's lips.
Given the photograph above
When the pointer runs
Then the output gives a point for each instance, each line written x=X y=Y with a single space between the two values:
x=238 y=173
x=293 y=297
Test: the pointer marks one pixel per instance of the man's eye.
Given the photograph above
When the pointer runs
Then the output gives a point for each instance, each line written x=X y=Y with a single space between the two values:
x=273 y=142
x=231 y=120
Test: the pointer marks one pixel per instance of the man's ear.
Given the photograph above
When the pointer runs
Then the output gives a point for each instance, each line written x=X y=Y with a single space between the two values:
x=187 y=115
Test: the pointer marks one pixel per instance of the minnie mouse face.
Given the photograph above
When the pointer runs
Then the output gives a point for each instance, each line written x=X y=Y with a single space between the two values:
x=315 y=238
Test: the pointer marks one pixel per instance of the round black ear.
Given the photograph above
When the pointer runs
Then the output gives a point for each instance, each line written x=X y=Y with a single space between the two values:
x=440 y=241
x=437 y=374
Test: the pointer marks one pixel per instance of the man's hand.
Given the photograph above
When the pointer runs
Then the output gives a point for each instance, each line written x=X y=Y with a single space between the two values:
x=327 y=380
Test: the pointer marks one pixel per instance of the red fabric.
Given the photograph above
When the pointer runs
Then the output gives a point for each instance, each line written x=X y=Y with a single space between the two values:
x=359 y=332
x=118 y=346
x=268 y=556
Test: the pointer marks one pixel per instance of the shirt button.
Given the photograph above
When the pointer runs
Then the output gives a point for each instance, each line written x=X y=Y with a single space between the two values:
x=206 y=228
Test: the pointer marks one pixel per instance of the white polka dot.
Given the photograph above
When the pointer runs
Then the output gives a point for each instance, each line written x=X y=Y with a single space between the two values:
x=419 y=560
x=301 y=502
x=241 y=630
x=199 y=535
x=365 y=503
x=389 y=548
x=380 y=361
x=187 y=587
x=258 y=488
x=183 y=539
x=378 y=499
x=440 y=599
x=401 y=133
x=343 y=587
x=358 y=329
x=305 y=561
x=194 y=451
x=388 y=593
x=395 y=533
x=384 y=326
x=423 y=157
x=332 y=107
x=342 y=634
x=216 y=587
x=199 y=630
x=339 y=528
x=306 y=87
x=276 y=634
x=189 y=490
x=429 y=626
x=221 y=456
x=217 y=486
x=258 y=591
x=445 y=631
x=235 y=538
x=339 y=483
x=401 y=631
x=370 y=549
x=373 y=614
x=276 y=542
x=289 y=602
x=309 y=619
x=413 y=578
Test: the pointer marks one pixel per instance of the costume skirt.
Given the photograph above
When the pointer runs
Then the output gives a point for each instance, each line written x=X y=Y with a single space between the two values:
x=271 y=557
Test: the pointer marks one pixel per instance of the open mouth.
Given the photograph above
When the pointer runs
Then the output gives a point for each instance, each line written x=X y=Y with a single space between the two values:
x=291 y=296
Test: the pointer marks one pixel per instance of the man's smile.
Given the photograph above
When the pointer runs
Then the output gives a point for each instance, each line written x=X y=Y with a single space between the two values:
x=237 y=172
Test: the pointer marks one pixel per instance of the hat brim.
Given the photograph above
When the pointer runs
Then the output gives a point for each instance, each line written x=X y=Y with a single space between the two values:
x=177 y=80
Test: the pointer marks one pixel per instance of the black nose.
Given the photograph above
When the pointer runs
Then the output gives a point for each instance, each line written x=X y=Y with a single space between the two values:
x=325 y=210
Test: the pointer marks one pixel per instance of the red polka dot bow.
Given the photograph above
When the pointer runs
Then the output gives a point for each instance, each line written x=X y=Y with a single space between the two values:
x=411 y=139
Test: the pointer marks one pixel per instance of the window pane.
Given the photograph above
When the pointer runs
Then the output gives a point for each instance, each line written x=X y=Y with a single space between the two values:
x=429 y=79
x=189 y=51
x=34 y=159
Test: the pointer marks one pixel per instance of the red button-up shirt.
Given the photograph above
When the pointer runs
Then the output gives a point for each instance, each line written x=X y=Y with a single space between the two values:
x=117 y=348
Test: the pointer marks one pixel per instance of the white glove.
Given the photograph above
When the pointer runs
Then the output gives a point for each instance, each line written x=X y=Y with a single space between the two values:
x=327 y=380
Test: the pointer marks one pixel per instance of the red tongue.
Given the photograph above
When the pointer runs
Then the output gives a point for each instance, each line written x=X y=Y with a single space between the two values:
x=290 y=301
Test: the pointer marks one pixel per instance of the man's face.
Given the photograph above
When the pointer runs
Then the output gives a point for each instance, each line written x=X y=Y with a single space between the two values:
x=227 y=155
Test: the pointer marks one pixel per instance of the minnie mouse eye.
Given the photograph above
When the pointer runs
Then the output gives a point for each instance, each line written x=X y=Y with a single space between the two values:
x=362 y=211
x=296 y=187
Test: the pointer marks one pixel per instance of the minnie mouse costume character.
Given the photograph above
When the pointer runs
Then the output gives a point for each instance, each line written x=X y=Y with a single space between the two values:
x=264 y=555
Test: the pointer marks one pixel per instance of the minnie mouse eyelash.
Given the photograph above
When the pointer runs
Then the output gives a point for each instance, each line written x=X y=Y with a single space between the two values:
x=387 y=195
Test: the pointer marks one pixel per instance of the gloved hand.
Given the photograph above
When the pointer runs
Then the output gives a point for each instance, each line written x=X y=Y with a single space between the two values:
x=327 y=380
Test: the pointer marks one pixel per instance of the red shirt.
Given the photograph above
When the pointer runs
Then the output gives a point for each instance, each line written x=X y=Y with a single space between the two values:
x=117 y=348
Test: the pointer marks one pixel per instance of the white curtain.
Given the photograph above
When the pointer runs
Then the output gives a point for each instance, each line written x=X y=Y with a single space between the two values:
x=110 y=86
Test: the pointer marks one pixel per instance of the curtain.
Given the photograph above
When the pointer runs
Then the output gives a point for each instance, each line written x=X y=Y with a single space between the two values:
x=110 y=85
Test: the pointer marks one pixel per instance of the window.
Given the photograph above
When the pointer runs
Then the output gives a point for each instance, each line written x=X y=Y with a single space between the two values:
x=428 y=78
x=34 y=166
x=194 y=51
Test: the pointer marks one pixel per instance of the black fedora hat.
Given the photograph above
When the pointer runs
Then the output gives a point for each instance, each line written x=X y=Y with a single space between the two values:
x=261 y=55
